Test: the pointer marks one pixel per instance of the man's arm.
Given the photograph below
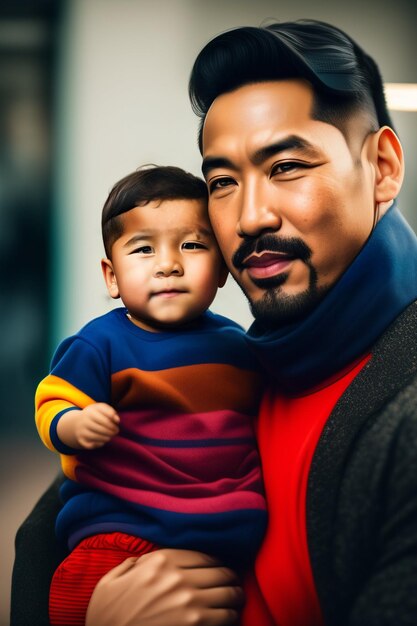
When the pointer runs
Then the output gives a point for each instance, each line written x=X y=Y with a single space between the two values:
x=164 y=588
x=389 y=595
x=37 y=556
x=167 y=588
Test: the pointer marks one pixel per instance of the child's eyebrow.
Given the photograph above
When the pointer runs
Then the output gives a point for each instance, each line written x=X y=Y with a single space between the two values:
x=197 y=231
x=138 y=237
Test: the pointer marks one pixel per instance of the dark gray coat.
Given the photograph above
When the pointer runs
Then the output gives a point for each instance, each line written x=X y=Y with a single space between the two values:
x=362 y=492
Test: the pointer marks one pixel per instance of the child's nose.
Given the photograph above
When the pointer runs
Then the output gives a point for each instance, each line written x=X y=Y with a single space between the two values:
x=167 y=267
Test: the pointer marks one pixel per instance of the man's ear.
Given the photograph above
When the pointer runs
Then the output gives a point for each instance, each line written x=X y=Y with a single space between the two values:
x=110 y=278
x=223 y=274
x=389 y=164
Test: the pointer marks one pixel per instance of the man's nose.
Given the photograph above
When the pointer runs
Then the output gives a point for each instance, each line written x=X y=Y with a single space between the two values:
x=168 y=265
x=259 y=210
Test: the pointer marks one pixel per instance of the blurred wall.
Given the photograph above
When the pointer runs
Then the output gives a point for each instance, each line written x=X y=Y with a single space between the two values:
x=25 y=130
x=122 y=87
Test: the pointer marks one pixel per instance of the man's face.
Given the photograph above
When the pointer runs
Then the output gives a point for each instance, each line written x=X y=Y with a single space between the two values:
x=291 y=202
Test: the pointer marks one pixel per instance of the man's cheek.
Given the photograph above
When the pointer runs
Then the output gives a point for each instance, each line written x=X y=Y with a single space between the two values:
x=226 y=237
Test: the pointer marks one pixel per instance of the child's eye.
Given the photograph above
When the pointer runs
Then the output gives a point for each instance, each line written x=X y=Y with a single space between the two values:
x=193 y=245
x=143 y=250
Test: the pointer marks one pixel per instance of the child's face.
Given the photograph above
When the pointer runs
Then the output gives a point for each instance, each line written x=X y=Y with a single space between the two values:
x=166 y=267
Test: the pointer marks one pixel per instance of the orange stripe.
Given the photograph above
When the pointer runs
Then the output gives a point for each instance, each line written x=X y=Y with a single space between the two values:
x=188 y=389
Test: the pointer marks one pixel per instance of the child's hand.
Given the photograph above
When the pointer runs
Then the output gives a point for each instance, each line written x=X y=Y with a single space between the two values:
x=95 y=425
x=88 y=428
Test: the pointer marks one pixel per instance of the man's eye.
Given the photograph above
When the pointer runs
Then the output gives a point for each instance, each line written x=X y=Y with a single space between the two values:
x=193 y=245
x=220 y=183
x=287 y=167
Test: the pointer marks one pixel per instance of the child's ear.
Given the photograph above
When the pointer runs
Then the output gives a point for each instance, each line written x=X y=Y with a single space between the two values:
x=223 y=274
x=110 y=278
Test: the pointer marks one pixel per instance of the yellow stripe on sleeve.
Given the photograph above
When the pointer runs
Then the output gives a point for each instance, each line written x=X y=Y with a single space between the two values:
x=54 y=395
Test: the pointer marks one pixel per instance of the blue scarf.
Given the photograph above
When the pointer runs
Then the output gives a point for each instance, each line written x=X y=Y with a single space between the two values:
x=379 y=284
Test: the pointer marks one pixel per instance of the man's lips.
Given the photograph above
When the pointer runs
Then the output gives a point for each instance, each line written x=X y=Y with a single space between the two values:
x=266 y=264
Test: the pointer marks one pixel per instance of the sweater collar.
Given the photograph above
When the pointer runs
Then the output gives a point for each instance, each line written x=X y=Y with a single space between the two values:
x=378 y=285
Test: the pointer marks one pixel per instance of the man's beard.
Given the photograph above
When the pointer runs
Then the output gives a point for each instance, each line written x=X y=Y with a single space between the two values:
x=275 y=308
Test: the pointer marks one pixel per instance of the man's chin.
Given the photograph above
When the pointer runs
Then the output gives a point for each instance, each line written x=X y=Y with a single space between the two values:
x=276 y=309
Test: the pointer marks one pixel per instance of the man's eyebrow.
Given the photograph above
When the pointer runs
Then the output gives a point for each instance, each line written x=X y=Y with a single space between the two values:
x=292 y=142
x=211 y=163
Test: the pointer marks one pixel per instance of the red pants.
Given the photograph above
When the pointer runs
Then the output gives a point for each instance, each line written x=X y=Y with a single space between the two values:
x=75 y=579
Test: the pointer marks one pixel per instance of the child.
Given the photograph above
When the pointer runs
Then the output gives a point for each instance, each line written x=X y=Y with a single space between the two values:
x=151 y=405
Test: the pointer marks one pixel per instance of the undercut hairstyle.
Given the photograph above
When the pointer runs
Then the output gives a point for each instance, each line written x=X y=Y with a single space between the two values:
x=345 y=80
x=147 y=184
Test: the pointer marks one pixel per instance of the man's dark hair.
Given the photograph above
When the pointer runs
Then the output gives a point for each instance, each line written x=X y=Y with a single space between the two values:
x=344 y=78
x=148 y=183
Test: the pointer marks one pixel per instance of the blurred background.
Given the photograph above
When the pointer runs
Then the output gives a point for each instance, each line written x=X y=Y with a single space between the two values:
x=90 y=90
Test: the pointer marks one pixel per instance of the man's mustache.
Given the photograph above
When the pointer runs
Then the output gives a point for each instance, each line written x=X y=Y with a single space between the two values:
x=292 y=246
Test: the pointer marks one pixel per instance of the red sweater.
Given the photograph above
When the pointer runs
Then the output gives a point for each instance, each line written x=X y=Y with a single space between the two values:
x=281 y=589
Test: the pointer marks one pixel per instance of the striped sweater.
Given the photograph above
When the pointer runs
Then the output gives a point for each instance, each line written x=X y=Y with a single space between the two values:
x=184 y=469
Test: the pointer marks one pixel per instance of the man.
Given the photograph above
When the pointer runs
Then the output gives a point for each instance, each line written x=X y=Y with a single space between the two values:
x=303 y=168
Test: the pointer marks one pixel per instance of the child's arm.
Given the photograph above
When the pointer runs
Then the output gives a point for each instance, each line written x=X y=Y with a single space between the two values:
x=88 y=428
x=66 y=400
